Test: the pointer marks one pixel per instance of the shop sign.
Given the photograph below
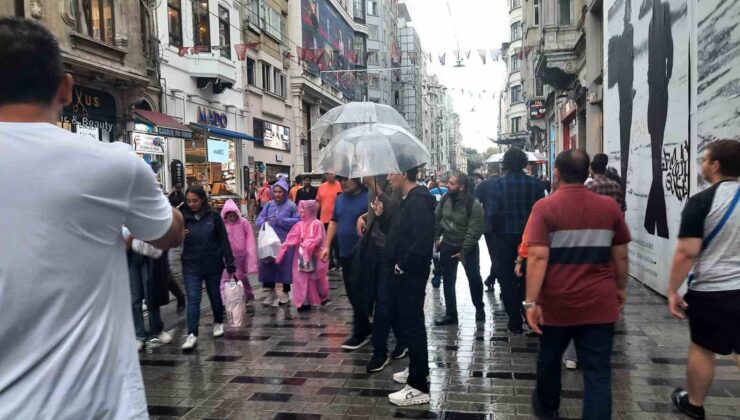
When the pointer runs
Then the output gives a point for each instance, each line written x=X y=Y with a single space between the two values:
x=218 y=151
x=536 y=110
x=273 y=136
x=171 y=132
x=148 y=144
x=88 y=131
x=90 y=108
x=208 y=117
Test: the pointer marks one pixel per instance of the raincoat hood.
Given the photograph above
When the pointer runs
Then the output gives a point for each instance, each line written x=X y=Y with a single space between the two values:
x=309 y=210
x=230 y=207
x=282 y=183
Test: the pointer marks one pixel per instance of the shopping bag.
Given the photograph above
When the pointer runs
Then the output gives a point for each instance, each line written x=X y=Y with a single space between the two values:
x=234 y=303
x=305 y=265
x=268 y=243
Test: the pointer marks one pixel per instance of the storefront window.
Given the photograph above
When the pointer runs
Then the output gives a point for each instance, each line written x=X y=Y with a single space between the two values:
x=95 y=19
x=211 y=162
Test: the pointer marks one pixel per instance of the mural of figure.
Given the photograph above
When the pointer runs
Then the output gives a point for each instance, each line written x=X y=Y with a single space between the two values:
x=621 y=73
x=660 y=67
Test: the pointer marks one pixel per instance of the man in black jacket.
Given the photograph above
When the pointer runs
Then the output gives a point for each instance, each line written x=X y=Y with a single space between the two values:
x=409 y=249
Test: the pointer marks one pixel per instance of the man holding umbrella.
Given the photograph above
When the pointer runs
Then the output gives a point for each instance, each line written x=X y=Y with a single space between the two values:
x=409 y=247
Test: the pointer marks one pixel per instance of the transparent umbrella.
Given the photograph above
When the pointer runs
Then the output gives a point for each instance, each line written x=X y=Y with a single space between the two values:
x=353 y=114
x=372 y=149
x=531 y=157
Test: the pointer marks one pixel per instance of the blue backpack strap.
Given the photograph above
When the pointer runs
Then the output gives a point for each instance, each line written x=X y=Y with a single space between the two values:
x=722 y=221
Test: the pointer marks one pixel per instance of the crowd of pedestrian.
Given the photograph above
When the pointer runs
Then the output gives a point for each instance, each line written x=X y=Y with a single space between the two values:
x=558 y=252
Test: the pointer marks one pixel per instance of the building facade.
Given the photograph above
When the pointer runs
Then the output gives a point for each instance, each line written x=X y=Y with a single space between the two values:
x=382 y=24
x=407 y=87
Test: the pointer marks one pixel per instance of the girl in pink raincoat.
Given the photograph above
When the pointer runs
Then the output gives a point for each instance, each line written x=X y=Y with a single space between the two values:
x=243 y=246
x=310 y=281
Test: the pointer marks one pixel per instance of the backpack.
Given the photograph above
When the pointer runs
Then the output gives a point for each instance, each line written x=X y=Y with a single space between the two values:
x=469 y=202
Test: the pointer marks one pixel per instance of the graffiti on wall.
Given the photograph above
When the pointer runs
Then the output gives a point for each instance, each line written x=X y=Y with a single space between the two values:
x=676 y=170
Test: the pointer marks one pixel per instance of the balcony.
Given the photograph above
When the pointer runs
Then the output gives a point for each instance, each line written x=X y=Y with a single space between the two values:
x=558 y=56
x=212 y=66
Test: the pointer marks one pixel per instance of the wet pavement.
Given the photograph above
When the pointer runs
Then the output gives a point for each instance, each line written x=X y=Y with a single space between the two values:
x=286 y=365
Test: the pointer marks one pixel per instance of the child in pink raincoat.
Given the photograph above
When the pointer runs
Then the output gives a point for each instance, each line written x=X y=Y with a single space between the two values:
x=309 y=287
x=243 y=246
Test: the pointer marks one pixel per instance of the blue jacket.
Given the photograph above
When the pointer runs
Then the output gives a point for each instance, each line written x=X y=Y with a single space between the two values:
x=206 y=249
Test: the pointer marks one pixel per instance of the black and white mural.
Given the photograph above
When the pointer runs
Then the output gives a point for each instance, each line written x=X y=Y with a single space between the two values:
x=647 y=123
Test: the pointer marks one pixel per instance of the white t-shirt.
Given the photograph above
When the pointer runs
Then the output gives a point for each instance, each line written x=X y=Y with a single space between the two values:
x=67 y=346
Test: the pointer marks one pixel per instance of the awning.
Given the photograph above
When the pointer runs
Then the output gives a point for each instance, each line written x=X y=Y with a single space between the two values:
x=166 y=125
x=225 y=133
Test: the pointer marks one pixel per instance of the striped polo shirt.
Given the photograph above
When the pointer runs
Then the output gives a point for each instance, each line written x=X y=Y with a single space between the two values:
x=580 y=228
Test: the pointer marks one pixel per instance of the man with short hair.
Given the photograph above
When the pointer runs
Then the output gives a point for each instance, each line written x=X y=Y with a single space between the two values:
x=325 y=199
x=709 y=242
x=576 y=278
x=306 y=192
x=513 y=196
x=484 y=194
x=458 y=227
x=409 y=247
x=68 y=343
x=601 y=184
x=297 y=184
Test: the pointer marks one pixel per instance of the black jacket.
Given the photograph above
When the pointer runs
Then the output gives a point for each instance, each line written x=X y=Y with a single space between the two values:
x=306 y=194
x=206 y=249
x=411 y=239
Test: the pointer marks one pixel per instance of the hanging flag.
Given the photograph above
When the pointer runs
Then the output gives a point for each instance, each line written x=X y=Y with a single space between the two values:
x=457 y=54
x=252 y=45
x=429 y=54
x=494 y=54
x=241 y=51
x=482 y=54
x=467 y=54
x=299 y=54
x=182 y=51
x=195 y=49
x=442 y=58
x=308 y=55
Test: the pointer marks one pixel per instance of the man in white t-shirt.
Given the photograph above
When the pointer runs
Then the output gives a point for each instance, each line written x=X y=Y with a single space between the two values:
x=67 y=346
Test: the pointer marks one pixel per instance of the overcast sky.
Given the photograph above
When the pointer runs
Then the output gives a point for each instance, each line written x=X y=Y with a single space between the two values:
x=475 y=24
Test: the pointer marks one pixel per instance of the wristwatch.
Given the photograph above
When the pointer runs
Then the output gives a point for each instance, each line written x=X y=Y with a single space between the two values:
x=528 y=305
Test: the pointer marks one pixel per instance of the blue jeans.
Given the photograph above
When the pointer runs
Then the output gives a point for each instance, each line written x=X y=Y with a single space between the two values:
x=594 y=348
x=194 y=290
x=385 y=315
x=139 y=273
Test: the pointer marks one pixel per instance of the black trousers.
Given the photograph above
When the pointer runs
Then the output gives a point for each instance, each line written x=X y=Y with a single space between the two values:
x=333 y=250
x=360 y=321
x=449 y=272
x=409 y=293
x=491 y=246
x=512 y=287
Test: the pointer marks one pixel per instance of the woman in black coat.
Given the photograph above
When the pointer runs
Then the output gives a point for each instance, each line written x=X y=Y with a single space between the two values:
x=206 y=252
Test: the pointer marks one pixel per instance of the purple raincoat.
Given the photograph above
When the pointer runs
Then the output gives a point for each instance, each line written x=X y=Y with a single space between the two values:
x=285 y=215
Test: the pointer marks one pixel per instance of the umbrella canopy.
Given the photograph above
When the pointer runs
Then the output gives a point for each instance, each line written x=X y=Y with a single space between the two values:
x=532 y=157
x=372 y=149
x=353 y=114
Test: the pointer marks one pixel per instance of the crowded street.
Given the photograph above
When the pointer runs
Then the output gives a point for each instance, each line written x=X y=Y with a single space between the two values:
x=286 y=365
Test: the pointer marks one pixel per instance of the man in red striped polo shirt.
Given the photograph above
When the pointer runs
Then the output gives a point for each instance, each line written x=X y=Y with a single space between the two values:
x=576 y=279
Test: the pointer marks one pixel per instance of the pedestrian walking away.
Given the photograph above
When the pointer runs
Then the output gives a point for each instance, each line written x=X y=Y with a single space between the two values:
x=68 y=342
x=601 y=184
x=206 y=253
x=409 y=246
x=513 y=196
x=326 y=197
x=243 y=247
x=576 y=278
x=281 y=214
x=708 y=253
x=306 y=239
x=484 y=194
x=458 y=227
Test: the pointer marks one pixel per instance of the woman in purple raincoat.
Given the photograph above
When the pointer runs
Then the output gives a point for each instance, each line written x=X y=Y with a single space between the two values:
x=281 y=214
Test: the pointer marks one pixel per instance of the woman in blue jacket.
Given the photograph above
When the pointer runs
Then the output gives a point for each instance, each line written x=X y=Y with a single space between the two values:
x=206 y=252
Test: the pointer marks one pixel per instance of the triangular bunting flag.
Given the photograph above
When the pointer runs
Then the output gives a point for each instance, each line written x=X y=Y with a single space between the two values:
x=182 y=51
x=299 y=54
x=442 y=58
x=457 y=54
x=467 y=54
x=483 y=55
x=241 y=51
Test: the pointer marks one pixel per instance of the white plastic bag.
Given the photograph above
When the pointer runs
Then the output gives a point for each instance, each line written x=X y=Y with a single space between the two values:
x=268 y=243
x=234 y=303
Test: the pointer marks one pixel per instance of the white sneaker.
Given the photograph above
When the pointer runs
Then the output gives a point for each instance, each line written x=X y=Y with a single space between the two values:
x=284 y=298
x=190 y=342
x=218 y=330
x=164 y=338
x=408 y=396
x=139 y=345
x=571 y=364
x=269 y=298
x=401 y=377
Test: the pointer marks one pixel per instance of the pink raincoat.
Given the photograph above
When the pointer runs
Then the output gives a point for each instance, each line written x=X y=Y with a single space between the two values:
x=308 y=237
x=244 y=248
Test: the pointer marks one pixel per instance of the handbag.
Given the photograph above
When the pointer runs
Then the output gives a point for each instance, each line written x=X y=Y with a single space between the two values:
x=305 y=265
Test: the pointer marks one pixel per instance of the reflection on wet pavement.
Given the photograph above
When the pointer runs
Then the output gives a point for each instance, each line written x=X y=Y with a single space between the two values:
x=285 y=365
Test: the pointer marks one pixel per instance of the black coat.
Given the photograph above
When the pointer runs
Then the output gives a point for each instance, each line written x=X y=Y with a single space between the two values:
x=410 y=240
x=206 y=250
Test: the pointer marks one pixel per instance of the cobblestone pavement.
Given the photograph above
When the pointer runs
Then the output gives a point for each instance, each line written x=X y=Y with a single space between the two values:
x=285 y=365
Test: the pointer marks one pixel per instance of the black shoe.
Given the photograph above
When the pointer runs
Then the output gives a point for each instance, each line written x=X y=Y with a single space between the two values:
x=436 y=282
x=680 y=399
x=489 y=285
x=480 y=315
x=377 y=363
x=304 y=308
x=399 y=352
x=355 y=342
x=445 y=320
x=517 y=331
x=538 y=411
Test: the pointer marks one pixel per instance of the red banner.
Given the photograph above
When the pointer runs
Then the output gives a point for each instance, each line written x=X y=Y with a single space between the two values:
x=241 y=51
